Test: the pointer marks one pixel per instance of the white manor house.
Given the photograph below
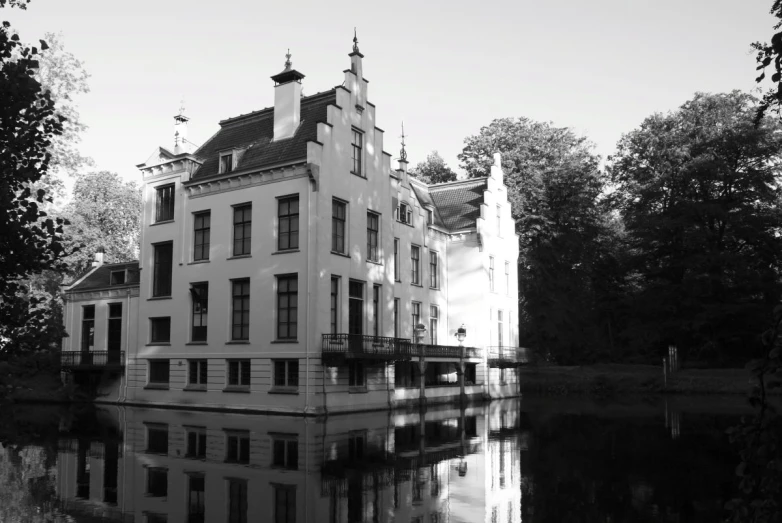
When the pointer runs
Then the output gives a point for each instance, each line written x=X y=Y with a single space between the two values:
x=286 y=267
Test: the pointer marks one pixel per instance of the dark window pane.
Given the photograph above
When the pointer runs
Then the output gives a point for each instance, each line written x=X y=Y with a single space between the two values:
x=161 y=277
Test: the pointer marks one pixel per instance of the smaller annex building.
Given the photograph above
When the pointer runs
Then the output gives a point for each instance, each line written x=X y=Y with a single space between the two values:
x=285 y=266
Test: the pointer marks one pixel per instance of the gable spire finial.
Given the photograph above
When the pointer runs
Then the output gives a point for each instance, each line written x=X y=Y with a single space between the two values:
x=403 y=153
x=355 y=41
x=288 y=63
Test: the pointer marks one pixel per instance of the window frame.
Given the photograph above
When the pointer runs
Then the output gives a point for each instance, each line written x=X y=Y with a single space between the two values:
x=334 y=318
x=164 y=210
x=239 y=456
x=357 y=152
x=199 y=442
x=434 y=270
x=415 y=314
x=287 y=374
x=112 y=279
x=155 y=335
x=243 y=370
x=87 y=328
x=357 y=374
x=197 y=373
x=338 y=225
x=377 y=296
x=245 y=225
x=290 y=457
x=397 y=257
x=415 y=261
x=292 y=221
x=157 y=493
x=434 y=322
x=156 y=445
x=222 y=167
x=199 y=312
x=243 y=310
x=114 y=327
x=152 y=374
x=373 y=237
x=202 y=235
x=287 y=330
x=162 y=282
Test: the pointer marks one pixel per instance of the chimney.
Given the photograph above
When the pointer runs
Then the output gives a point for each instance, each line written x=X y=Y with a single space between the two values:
x=287 y=101
x=98 y=261
x=181 y=145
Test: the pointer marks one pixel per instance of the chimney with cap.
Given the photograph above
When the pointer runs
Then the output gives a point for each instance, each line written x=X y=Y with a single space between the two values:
x=287 y=101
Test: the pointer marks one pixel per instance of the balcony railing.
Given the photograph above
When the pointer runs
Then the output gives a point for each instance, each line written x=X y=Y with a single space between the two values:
x=92 y=360
x=501 y=356
x=360 y=346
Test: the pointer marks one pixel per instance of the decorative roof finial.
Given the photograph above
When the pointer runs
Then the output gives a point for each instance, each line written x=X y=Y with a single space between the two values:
x=182 y=106
x=355 y=41
x=288 y=63
x=403 y=153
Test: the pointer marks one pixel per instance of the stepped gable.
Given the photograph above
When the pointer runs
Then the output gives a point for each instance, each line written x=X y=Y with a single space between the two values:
x=254 y=133
x=459 y=203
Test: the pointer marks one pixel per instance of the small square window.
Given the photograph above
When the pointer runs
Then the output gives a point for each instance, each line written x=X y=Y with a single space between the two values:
x=286 y=374
x=157 y=439
x=196 y=442
x=285 y=452
x=197 y=372
x=160 y=330
x=157 y=482
x=239 y=373
x=159 y=371
x=237 y=448
x=164 y=204
x=117 y=277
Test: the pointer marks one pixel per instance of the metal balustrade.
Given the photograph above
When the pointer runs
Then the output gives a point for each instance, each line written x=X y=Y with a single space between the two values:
x=360 y=346
x=502 y=356
x=92 y=360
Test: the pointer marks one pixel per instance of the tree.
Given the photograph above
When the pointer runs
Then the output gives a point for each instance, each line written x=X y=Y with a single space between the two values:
x=699 y=191
x=433 y=170
x=105 y=212
x=554 y=186
x=766 y=54
x=30 y=241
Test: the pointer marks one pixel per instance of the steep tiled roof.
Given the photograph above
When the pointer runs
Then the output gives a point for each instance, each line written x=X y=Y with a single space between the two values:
x=459 y=202
x=101 y=277
x=255 y=131
x=422 y=193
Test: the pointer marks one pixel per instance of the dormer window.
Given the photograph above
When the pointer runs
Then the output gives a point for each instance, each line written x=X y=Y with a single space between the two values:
x=117 y=277
x=226 y=162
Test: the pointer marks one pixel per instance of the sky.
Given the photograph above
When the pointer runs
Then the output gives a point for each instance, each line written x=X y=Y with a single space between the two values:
x=444 y=68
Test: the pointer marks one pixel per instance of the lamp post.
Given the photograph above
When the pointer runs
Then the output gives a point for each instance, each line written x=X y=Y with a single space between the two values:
x=419 y=331
x=461 y=334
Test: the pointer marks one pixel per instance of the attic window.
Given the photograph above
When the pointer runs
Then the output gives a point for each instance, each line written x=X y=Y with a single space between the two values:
x=117 y=277
x=226 y=162
x=405 y=214
x=429 y=217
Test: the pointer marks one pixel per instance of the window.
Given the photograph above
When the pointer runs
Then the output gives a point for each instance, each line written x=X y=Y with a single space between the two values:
x=226 y=163
x=429 y=217
x=117 y=278
x=396 y=259
x=158 y=371
x=157 y=439
x=160 y=330
x=288 y=215
x=157 y=482
x=286 y=373
x=373 y=228
x=285 y=452
x=355 y=307
x=502 y=375
x=499 y=221
x=197 y=372
x=164 y=205
x=470 y=373
x=237 y=500
x=87 y=328
x=415 y=257
x=499 y=329
x=161 y=277
x=356 y=373
x=334 y=305
x=242 y=229
x=237 y=447
x=287 y=307
x=196 y=512
x=396 y=317
x=156 y=518
x=240 y=290
x=405 y=214
x=114 y=334
x=507 y=277
x=201 y=228
x=434 y=316
x=199 y=293
x=196 y=442
x=357 y=144
x=239 y=373
x=284 y=503
x=376 y=310
x=416 y=316
x=434 y=270
x=338 y=209
x=357 y=444
x=491 y=273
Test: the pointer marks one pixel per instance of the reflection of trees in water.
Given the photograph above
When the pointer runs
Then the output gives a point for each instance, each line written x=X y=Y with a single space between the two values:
x=27 y=484
x=588 y=468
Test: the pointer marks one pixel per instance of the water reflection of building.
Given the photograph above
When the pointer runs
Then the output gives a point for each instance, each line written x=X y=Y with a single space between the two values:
x=161 y=465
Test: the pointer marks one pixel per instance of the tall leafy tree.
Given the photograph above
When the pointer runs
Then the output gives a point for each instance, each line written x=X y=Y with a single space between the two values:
x=433 y=170
x=105 y=213
x=30 y=240
x=554 y=185
x=699 y=193
x=770 y=55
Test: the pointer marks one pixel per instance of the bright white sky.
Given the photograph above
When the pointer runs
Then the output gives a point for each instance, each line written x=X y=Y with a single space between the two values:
x=446 y=68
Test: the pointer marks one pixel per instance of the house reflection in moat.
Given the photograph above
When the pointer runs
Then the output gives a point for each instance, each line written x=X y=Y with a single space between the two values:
x=150 y=465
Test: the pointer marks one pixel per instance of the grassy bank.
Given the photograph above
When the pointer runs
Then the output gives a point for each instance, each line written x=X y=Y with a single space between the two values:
x=608 y=380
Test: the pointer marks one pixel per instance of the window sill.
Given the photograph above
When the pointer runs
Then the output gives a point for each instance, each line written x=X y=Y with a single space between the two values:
x=283 y=342
x=286 y=251
x=197 y=262
x=434 y=288
x=196 y=343
x=155 y=298
x=285 y=390
x=375 y=262
x=359 y=175
x=156 y=386
x=239 y=256
x=162 y=222
x=340 y=254
x=416 y=285
x=237 y=388
x=159 y=344
x=238 y=342
x=195 y=388
x=358 y=390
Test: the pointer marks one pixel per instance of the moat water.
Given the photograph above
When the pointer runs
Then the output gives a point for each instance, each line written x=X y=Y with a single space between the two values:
x=537 y=459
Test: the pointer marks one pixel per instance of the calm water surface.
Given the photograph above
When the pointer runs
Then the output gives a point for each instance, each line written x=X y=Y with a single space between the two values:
x=546 y=460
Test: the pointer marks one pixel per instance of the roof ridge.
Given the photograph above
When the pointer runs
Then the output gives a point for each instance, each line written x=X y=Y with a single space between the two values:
x=448 y=185
x=260 y=112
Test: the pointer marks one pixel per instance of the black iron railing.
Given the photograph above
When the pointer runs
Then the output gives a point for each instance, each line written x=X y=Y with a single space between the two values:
x=93 y=359
x=446 y=351
x=366 y=347
x=502 y=356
